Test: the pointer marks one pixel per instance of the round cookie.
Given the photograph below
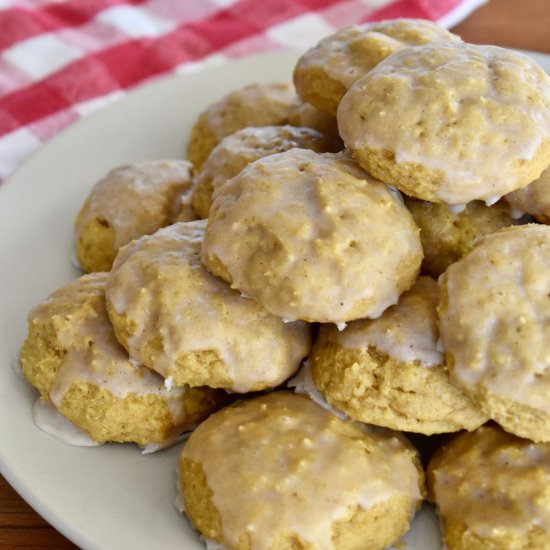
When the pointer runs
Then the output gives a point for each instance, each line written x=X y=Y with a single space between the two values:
x=280 y=472
x=305 y=115
x=450 y=122
x=237 y=150
x=254 y=105
x=447 y=235
x=72 y=357
x=388 y=371
x=175 y=317
x=495 y=327
x=310 y=236
x=326 y=72
x=533 y=199
x=128 y=202
x=492 y=490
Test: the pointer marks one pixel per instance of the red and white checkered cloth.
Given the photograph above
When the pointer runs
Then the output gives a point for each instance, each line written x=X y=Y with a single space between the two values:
x=61 y=60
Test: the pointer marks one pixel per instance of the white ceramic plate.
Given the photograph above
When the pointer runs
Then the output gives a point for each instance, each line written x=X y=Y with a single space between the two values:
x=109 y=497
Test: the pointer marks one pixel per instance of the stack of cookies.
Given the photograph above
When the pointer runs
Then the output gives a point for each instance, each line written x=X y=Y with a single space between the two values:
x=380 y=225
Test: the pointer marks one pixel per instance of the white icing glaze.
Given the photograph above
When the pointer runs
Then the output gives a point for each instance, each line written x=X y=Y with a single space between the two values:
x=50 y=420
x=173 y=440
x=303 y=383
x=457 y=208
x=517 y=213
x=106 y=365
x=15 y=364
x=407 y=331
x=489 y=201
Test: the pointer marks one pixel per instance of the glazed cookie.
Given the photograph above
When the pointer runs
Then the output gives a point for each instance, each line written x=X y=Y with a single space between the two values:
x=254 y=105
x=492 y=490
x=388 y=371
x=326 y=72
x=72 y=357
x=495 y=330
x=250 y=477
x=175 y=317
x=128 y=202
x=533 y=199
x=234 y=152
x=305 y=115
x=450 y=122
x=447 y=235
x=310 y=236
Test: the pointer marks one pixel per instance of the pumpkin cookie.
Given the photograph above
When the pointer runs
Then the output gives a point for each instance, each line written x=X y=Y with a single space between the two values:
x=280 y=472
x=310 y=236
x=495 y=327
x=447 y=235
x=130 y=201
x=388 y=371
x=451 y=122
x=175 y=317
x=492 y=490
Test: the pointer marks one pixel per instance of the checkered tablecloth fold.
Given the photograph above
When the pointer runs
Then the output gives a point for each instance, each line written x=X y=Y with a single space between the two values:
x=62 y=60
